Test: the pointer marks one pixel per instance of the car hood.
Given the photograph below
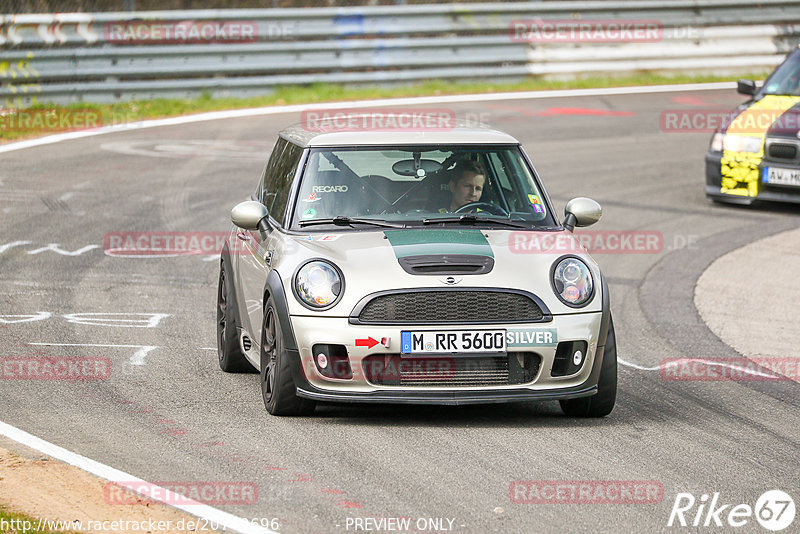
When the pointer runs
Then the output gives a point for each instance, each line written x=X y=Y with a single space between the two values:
x=771 y=115
x=373 y=260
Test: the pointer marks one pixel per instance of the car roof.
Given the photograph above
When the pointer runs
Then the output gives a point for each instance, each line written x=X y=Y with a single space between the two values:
x=330 y=134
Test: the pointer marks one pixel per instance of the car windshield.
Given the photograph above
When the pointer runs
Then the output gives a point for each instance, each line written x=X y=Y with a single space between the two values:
x=786 y=78
x=419 y=185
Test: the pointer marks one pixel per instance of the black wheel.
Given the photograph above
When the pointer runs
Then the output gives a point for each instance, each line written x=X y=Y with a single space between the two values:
x=472 y=207
x=277 y=385
x=231 y=358
x=601 y=403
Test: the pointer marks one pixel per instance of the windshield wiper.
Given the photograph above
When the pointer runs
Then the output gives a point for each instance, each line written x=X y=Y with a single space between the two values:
x=469 y=218
x=340 y=220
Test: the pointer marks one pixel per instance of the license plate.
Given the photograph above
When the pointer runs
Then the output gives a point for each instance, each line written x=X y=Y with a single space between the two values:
x=452 y=341
x=779 y=176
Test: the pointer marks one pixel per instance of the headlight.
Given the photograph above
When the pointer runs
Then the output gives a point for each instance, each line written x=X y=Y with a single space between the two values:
x=572 y=282
x=318 y=284
x=741 y=143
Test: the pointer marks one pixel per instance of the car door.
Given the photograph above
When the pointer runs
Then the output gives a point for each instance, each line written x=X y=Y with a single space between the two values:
x=257 y=246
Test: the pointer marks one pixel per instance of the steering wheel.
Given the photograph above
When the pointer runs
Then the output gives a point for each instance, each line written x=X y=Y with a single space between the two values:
x=472 y=207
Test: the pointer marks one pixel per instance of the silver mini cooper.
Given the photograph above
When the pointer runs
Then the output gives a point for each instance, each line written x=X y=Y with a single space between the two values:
x=412 y=267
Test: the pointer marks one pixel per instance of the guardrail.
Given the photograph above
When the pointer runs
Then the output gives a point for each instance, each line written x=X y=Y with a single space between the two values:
x=106 y=57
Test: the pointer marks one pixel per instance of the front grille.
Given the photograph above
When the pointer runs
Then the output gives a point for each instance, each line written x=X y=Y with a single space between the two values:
x=451 y=307
x=394 y=370
x=782 y=151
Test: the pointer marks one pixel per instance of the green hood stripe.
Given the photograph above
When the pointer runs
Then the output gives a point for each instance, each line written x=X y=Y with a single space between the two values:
x=438 y=241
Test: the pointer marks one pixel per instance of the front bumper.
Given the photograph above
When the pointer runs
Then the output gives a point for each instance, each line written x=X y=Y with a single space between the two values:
x=747 y=195
x=309 y=331
x=487 y=396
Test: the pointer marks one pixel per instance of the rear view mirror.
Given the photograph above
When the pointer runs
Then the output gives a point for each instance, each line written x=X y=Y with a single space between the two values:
x=746 y=87
x=406 y=167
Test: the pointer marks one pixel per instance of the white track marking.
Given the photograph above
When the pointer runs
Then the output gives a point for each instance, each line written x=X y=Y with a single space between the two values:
x=126 y=253
x=449 y=99
x=628 y=364
x=56 y=248
x=707 y=362
x=149 y=320
x=188 y=148
x=136 y=359
x=139 y=355
x=203 y=511
x=13 y=319
x=13 y=244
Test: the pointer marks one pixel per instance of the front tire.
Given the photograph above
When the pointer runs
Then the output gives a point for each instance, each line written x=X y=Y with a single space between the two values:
x=231 y=357
x=601 y=403
x=277 y=386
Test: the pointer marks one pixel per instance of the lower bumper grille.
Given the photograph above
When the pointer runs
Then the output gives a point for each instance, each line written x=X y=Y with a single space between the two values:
x=782 y=151
x=393 y=370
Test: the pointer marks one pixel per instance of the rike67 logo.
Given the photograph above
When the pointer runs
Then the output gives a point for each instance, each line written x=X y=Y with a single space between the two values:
x=774 y=510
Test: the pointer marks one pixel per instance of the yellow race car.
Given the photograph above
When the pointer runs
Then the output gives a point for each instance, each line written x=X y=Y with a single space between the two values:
x=756 y=154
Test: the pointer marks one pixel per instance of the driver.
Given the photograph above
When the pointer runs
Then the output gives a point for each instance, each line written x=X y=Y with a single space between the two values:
x=466 y=185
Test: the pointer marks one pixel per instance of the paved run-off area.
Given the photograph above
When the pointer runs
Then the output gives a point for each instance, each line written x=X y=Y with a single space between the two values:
x=749 y=297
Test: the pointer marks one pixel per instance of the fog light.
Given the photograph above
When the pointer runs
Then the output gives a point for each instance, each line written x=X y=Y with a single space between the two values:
x=569 y=358
x=332 y=361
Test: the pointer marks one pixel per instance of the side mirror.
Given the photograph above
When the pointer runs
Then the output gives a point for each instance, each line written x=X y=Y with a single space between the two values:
x=746 y=87
x=581 y=211
x=251 y=215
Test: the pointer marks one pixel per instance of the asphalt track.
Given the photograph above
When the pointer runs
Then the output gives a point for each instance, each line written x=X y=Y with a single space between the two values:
x=169 y=414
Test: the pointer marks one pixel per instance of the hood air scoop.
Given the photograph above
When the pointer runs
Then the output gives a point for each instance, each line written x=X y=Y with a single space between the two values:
x=438 y=264
x=451 y=251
